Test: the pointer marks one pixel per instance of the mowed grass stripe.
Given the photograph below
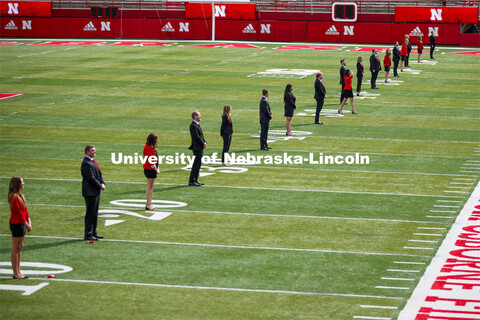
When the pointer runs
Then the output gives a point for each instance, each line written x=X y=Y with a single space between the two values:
x=58 y=191
x=258 y=178
x=310 y=143
x=227 y=267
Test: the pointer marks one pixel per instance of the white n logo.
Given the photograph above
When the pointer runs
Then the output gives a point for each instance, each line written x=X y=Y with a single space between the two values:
x=265 y=28
x=436 y=14
x=434 y=30
x=12 y=8
x=27 y=24
x=184 y=27
x=105 y=25
x=348 y=30
x=220 y=11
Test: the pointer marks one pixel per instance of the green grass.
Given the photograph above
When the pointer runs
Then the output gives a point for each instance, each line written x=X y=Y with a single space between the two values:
x=279 y=241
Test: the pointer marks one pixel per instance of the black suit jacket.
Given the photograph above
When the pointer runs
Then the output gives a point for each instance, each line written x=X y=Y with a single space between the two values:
x=92 y=178
x=375 y=63
x=342 y=75
x=360 y=69
x=396 y=54
x=432 y=40
x=320 y=91
x=227 y=126
x=198 y=141
x=265 y=113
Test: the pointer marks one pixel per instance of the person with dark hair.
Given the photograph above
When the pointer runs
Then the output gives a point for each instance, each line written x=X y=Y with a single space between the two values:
x=92 y=185
x=265 y=117
x=320 y=95
x=342 y=76
x=387 y=62
x=375 y=68
x=433 y=44
x=197 y=146
x=348 y=91
x=419 y=48
x=360 y=74
x=150 y=168
x=289 y=106
x=19 y=223
x=409 y=49
x=396 y=59
x=226 y=131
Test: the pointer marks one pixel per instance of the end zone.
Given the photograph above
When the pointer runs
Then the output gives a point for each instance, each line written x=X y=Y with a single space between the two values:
x=450 y=287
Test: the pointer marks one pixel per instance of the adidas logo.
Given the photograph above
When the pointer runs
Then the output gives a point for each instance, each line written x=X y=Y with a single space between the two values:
x=90 y=27
x=249 y=29
x=168 y=28
x=332 y=31
x=416 y=32
x=11 y=26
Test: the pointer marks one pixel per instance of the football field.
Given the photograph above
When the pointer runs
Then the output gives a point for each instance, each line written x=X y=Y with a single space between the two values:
x=289 y=239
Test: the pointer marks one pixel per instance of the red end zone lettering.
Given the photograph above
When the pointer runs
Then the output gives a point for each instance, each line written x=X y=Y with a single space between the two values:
x=140 y=44
x=224 y=45
x=450 y=287
x=464 y=52
x=67 y=43
x=10 y=95
x=309 y=48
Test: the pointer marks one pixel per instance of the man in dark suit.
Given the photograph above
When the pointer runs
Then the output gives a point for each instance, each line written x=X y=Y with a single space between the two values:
x=320 y=95
x=265 y=117
x=342 y=77
x=433 y=43
x=396 y=59
x=92 y=185
x=197 y=146
x=375 y=68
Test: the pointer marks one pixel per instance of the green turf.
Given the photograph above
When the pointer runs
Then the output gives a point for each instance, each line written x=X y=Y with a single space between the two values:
x=277 y=241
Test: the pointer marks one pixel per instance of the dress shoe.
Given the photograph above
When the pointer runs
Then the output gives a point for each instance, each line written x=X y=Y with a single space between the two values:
x=194 y=184
x=200 y=183
x=319 y=122
x=269 y=148
x=264 y=149
x=90 y=238
x=98 y=237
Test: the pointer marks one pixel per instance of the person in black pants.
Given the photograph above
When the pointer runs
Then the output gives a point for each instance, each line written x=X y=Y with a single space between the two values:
x=409 y=49
x=360 y=73
x=342 y=77
x=226 y=131
x=92 y=185
x=375 y=68
x=320 y=95
x=396 y=59
x=197 y=146
x=433 y=43
x=265 y=117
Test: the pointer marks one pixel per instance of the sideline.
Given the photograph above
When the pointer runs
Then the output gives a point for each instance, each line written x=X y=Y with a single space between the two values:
x=449 y=288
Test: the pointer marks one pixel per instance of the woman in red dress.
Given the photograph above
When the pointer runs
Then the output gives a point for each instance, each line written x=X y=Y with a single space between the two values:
x=387 y=62
x=419 y=48
x=19 y=223
x=150 y=168
x=348 y=91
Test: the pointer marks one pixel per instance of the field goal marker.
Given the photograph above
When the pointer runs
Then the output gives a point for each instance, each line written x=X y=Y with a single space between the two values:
x=212 y=2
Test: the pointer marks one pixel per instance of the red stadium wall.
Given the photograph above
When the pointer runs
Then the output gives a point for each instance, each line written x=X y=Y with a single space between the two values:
x=236 y=22
x=251 y=30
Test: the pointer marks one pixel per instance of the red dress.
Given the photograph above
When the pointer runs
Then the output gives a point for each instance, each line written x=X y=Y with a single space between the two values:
x=404 y=50
x=419 y=45
x=19 y=214
x=348 y=83
x=147 y=152
x=387 y=62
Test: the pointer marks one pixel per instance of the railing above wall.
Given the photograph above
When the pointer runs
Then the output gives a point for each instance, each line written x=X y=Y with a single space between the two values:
x=321 y=6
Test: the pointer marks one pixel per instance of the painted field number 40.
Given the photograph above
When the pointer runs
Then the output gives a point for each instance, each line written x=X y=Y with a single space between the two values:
x=46 y=268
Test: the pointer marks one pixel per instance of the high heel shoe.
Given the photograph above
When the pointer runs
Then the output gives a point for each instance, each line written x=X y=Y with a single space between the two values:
x=150 y=208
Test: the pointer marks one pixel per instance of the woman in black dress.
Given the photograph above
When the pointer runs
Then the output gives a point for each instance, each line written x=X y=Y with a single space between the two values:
x=226 y=131
x=360 y=74
x=289 y=101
